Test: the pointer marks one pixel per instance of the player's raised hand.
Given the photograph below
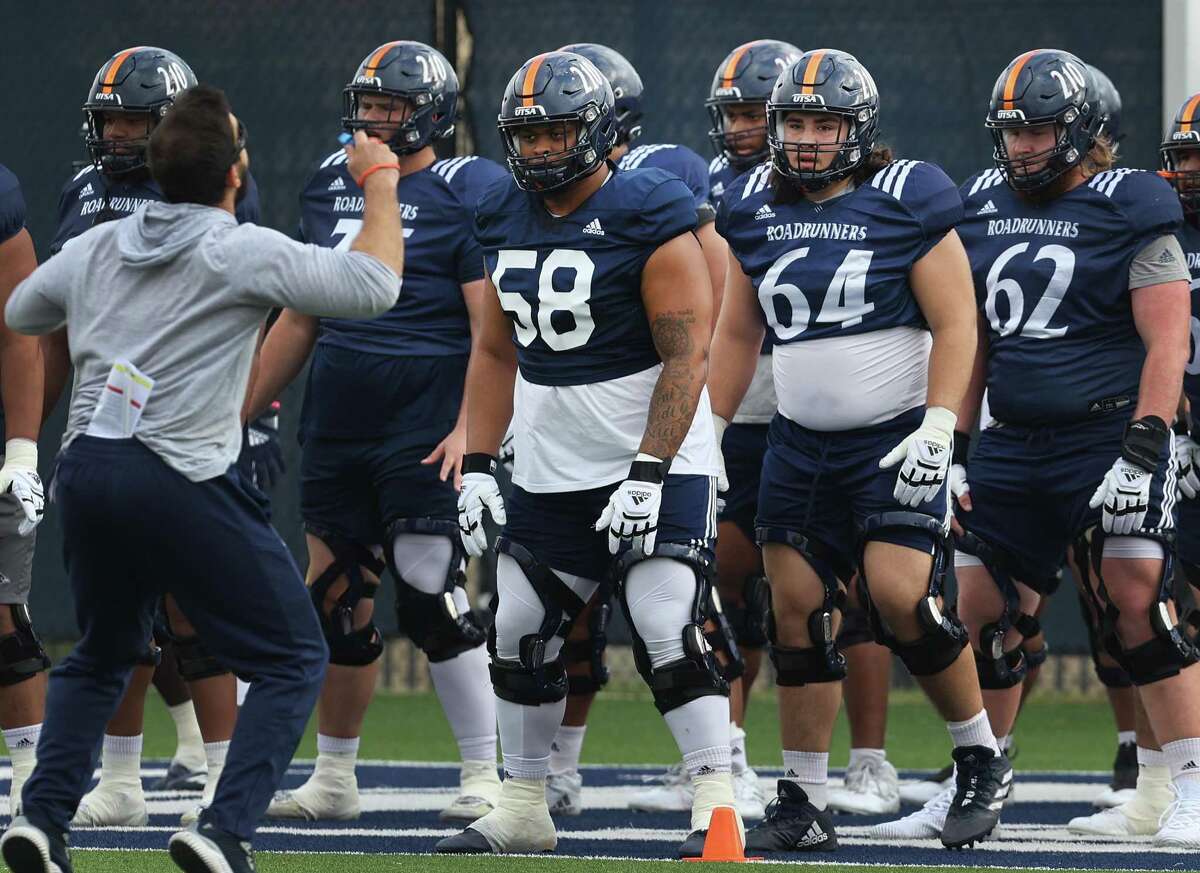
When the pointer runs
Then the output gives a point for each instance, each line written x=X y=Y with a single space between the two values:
x=365 y=152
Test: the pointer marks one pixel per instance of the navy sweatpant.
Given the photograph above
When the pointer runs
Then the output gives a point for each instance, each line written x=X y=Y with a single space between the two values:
x=135 y=529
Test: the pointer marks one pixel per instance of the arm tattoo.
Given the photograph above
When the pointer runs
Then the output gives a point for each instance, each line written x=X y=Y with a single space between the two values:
x=677 y=392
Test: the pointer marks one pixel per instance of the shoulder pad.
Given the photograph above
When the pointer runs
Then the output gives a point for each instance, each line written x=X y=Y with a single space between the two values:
x=981 y=182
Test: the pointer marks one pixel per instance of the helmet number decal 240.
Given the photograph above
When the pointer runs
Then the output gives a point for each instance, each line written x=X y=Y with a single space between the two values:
x=1038 y=325
x=576 y=300
x=845 y=298
x=174 y=78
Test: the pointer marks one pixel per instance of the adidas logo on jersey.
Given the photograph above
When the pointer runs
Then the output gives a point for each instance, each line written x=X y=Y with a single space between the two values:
x=718 y=189
x=593 y=227
x=988 y=208
x=337 y=185
x=87 y=191
x=764 y=211
x=813 y=837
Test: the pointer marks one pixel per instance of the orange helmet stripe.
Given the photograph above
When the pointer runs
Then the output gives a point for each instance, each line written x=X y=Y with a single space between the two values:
x=377 y=58
x=530 y=79
x=734 y=59
x=114 y=67
x=1188 y=116
x=1010 y=84
x=810 y=71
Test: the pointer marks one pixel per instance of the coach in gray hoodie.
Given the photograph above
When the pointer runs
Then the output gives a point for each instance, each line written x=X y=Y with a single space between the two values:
x=163 y=310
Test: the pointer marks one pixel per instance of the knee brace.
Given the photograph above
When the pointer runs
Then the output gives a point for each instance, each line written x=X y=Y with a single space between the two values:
x=21 y=653
x=348 y=647
x=1091 y=610
x=856 y=628
x=531 y=680
x=943 y=636
x=591 y=650
x=192 y=659
x=997 y=668
x=1165 y=653
x=434 y=622
x=823 y=661
x=697 y=673
x=151 y=657
x=722 y=638
x=749 y=621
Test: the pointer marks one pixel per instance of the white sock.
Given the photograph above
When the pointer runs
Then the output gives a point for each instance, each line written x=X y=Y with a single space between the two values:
x=809 y=770
x=975 y=731
x=1005 y=743
x=1150 y=757
x=858 y=755
x=701 y=731
x=336 y=753
x=22 y=749
x=566 y=748
x=214 y=754
x=737 y=750
x=121 y=760
x=464 y=688
x=1183 y=757
x=526 y=734
x=189 y=744
x=1125 y=738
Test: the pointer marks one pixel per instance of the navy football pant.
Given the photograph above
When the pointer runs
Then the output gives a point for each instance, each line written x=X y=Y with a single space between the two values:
x=135 y=529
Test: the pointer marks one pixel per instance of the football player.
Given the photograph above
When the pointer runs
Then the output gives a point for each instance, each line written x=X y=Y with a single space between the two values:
x=23 y=660
x=383 y=428
x=599 y=313
x=584 y=648
x=128 y=96
x=849 y=256
x=1083 y=297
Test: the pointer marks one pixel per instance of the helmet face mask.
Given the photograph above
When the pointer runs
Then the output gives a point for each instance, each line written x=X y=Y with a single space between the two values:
x=743 y=147
x=420 y=88
x=1039 y=88
x=825 y=82
x=144 y=81
x=560 y=95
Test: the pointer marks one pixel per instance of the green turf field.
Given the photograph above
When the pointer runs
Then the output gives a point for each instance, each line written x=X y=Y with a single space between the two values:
x=1054 y=733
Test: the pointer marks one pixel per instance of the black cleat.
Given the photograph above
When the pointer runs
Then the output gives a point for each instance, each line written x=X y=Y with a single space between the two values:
x=204 y=849
x=29 y=848
x=693 y=846
x=469 y=842
x=983 y=782
x=180 y=777
x=1125 y=768
x=791 y=824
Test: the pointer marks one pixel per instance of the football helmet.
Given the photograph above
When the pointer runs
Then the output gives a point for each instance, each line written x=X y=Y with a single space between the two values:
x=746 y=75
x=1044 y=86
x=626 y=86
x=417 y=73
x=142 y=80
x=1183 y=135
x=825 y=81
x=557 y=88
x=1108 y=105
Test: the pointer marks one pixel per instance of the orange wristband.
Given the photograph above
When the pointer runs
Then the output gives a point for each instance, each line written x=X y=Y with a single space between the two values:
x=363 y=178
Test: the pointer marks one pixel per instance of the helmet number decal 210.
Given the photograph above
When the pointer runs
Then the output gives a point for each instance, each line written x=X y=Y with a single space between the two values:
x=174 y=78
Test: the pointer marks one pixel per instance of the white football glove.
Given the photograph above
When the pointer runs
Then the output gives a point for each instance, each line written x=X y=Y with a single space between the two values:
x=20 y=481
x=479 y=491
x=926 y=456
x=632 y=510
x=1187 y=450
x=1125 y=494
x=719 y=425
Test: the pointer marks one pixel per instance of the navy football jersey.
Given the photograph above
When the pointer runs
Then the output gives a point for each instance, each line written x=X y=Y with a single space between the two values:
x=573 y=286
x=12 y=205
x=839 y=267
x=440 y=253
x=1189 y=240
x=681 y=161
x=1052 y=282
x=721 y=177
x=90 y=198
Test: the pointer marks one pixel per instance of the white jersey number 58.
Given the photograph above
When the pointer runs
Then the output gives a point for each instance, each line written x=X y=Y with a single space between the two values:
x=574 y=300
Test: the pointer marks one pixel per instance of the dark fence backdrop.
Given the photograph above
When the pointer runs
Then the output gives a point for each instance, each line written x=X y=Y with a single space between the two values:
x=284 y=63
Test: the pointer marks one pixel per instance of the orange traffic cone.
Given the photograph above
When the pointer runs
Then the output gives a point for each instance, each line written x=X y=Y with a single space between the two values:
x=724 y=839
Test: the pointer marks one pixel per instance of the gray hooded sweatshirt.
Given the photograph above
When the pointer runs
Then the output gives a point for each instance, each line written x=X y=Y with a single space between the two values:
x=181 y=291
